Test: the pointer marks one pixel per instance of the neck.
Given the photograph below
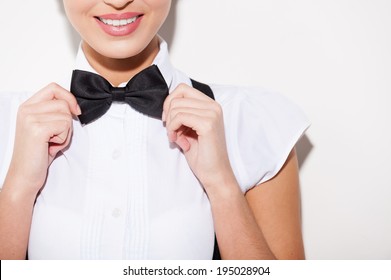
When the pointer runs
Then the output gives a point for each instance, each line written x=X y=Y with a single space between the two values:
x=117 y=71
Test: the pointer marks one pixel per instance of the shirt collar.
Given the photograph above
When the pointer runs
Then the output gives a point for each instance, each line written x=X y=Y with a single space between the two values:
x=162 y=61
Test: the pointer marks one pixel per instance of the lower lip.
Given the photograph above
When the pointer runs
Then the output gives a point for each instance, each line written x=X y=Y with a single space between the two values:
x=120 y=30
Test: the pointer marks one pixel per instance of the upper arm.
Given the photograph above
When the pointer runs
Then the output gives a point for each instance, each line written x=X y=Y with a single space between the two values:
x=276 y=207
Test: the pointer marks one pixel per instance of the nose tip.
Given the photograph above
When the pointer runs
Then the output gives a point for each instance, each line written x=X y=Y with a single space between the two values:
x=118 y=4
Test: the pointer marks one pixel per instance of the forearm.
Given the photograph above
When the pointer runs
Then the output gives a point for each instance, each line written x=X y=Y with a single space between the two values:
x=237 y=232
x=15 y=221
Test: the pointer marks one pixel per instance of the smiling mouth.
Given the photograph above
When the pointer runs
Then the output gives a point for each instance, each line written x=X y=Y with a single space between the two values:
x=118 y=22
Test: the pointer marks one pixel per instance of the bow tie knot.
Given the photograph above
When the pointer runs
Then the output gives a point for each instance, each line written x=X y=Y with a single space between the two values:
x=145 y=92
x=118 y=94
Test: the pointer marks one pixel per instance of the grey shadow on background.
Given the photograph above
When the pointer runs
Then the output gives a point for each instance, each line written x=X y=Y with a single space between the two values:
x=303 y=149
x=168 y=29
x=74 y=38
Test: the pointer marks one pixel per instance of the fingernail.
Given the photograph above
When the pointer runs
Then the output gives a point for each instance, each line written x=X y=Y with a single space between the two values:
x=169 y=134
x=164 y=116
x=172 y=136
x=78 y=110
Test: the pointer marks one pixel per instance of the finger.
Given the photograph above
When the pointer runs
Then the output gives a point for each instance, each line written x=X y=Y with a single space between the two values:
x=54 y=91
x=54 y=133
x=61 y=138
x=192 y=103
x=57 y=131
x=183 y=143
x=58 y=143
x=187 y=102
x=51 y=126
x=173 y=135
x=184 y=91
x=51 y=106
x=54 y=149
x=200 y=124
x=188 y=110
x=179 y=137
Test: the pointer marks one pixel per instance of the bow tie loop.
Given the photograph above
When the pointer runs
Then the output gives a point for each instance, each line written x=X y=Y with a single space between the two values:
x=118 y=94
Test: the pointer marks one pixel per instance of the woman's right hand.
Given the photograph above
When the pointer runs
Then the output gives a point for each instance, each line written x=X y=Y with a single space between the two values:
x=43 y=128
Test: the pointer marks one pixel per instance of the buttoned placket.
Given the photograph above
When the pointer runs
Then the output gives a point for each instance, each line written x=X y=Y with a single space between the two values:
x=107 y=187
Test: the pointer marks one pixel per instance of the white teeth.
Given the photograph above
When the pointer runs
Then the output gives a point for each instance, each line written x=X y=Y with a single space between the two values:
x=118 y=22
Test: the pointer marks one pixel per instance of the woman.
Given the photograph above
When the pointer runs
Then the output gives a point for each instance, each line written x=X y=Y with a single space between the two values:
x=123 y=184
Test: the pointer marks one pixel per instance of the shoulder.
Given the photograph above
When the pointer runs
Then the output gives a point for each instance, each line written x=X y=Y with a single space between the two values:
x=257 y=98
x=262 y=127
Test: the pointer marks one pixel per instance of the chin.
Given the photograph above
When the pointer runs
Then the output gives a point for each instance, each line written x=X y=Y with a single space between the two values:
x=120 y=54
x=119 y=50
x=125 y=48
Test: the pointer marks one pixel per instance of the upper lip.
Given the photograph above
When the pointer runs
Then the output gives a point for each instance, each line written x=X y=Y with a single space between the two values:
x=120 y=16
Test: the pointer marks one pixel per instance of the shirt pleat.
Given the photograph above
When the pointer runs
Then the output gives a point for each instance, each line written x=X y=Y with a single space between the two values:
x=94 y=211
x=136 y=230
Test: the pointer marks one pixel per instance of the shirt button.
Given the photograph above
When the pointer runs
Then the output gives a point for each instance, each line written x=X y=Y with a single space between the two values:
x=116 y=213
x=116 y=154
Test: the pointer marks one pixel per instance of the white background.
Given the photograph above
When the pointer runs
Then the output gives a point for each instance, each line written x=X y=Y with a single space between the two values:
x=333 y=58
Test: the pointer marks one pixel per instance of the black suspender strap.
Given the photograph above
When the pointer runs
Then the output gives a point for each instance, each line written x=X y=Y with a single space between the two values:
x=216 y=251
x=203 y=88
x=208 y=91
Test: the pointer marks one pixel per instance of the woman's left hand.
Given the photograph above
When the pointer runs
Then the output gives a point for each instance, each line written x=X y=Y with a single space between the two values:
x=195 y=123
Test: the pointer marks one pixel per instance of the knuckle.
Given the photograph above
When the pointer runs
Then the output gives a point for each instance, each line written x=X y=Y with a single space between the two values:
x=218 y=109
x=217 y=112
x=208 y=126
x=216 y=115
x=180 y=114
x=173 y=112
x=23 y=110
x=63 y=105
x=182 y=86
x=25 y=115
x=29 y=118
x=70 y=121
x=40 y=131
x=67 y=123
x=53 y=86
x=64 y=125
x=174 y=115
x=175 y=103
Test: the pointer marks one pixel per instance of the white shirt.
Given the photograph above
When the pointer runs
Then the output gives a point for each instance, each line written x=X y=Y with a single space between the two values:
x=122 y=191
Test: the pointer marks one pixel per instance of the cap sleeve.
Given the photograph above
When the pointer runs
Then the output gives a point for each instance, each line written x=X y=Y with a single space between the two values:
x=262 y=127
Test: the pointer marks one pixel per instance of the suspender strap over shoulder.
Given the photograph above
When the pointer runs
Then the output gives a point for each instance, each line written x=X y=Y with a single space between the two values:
x=208 y=91
x=203 y=88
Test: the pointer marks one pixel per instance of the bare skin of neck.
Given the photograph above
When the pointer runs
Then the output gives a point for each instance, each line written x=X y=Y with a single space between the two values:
x=117 y=71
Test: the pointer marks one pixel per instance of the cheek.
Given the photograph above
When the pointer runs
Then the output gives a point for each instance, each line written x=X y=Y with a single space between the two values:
x=76 y=11
x=161 y=8
x=159 y=3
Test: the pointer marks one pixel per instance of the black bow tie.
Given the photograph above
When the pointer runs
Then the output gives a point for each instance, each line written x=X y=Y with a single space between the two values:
x=145 y=92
